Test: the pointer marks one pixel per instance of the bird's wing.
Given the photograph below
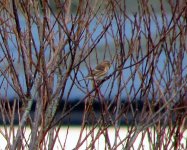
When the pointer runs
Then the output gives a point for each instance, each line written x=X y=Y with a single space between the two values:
x=100 y=68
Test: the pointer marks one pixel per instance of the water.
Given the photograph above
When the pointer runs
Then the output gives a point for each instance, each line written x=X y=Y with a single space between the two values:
x=76 y=93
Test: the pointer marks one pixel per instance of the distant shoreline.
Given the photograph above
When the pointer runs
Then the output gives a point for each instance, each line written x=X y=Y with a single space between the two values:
x=76 y=115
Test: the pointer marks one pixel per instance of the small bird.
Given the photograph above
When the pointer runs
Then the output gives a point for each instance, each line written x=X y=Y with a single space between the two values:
x=100 y=71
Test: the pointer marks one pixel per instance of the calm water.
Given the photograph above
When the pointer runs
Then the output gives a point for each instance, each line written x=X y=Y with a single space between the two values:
x=76 y=93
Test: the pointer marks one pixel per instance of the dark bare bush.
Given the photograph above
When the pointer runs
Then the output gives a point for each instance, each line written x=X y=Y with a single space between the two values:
x=45 y=48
